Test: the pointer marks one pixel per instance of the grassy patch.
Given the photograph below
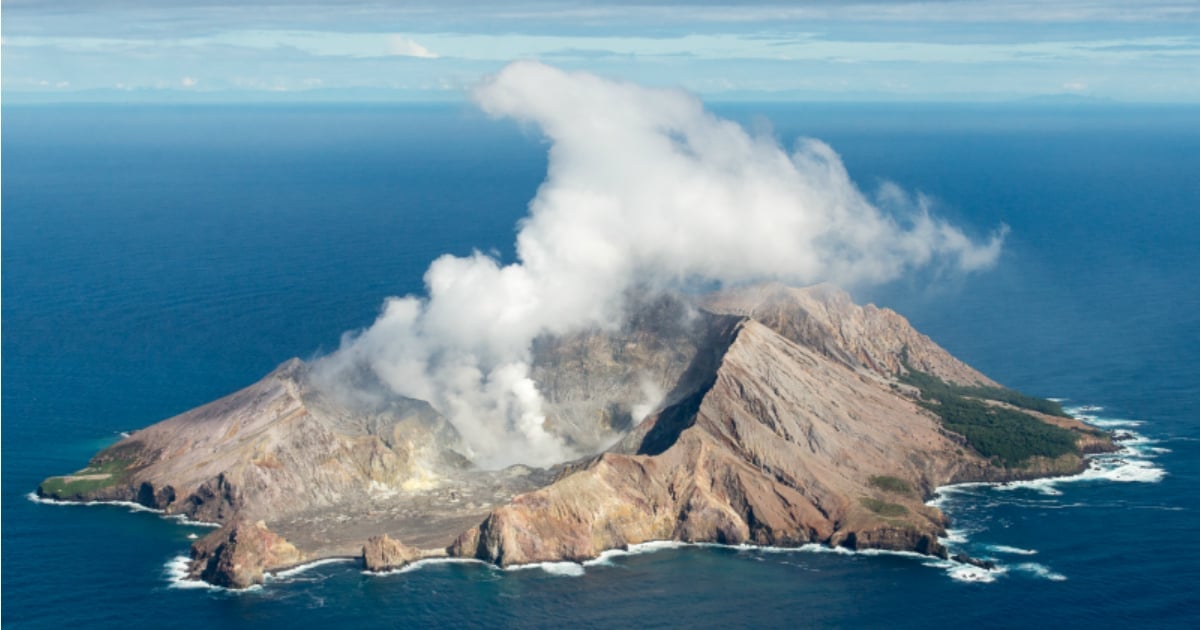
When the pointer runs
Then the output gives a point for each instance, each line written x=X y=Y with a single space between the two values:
x=934 y=387
x=1008 y=436
x=891 y=484
x=883 y=508
x=86 y=481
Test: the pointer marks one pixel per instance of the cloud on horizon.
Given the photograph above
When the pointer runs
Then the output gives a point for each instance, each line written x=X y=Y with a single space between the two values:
x=941 y=49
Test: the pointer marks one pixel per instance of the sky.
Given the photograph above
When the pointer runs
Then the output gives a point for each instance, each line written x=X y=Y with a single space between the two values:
x=422 y=50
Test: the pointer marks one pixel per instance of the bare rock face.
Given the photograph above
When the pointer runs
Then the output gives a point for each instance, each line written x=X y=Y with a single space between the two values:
x=384 y=553
x=825 y=319
x=766 y=415
x=239 y=554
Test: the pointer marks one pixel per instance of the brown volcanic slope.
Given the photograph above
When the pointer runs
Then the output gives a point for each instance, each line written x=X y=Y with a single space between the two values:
x=825 y=319
x=782 y=424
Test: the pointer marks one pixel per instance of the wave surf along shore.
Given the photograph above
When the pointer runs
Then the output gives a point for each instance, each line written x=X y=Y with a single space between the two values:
x=1133 y=462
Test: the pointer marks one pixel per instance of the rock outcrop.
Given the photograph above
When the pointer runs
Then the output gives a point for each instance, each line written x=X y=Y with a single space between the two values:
x=239 y=554
x=384 y=553
x=765 y=415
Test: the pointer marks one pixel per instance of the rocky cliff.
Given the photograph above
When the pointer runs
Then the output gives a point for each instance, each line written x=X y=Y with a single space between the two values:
x=765 y=415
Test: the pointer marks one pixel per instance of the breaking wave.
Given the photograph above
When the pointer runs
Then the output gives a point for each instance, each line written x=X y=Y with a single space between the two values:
x=1133 y=462
x=1039 y=570
x=963 y=572
x=419 y=564
x=176 y=570
x=301 y=568
x=184 y=520
x=565 y=569
x=1016 y=551
x=133 y=507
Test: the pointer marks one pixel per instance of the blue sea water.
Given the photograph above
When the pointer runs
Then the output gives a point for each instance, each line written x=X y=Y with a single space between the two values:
x=155 y=258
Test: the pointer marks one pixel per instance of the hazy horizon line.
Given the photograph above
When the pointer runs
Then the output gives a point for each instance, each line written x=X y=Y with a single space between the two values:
x=386 y=96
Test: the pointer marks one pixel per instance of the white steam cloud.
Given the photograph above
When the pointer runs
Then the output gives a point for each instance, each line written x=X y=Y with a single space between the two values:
x=644 y=187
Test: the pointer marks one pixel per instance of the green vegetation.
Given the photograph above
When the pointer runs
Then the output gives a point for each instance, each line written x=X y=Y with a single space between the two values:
x=891 y=484
x=883 y=508
x=95 y=477
x=934 y=387
x=1005 y=435
x=1010 y=436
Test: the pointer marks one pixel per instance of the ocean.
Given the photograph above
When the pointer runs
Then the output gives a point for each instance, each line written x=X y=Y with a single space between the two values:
x=157 y=257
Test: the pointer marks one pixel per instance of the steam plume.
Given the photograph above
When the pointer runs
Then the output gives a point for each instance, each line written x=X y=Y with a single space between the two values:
x=644 y=187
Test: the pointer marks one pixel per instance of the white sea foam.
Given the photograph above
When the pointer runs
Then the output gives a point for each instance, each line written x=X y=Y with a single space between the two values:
x=1124 y=470
x=747 y=547
x=1047 y=487
x=964 y=572
x=133 y=507
x=655 y=545
x=566 y=569
x=605 y=559
x=177 y=574
x=32 y=496
x=419 y=564
x=1011 y=550
x=184 y=520
x=955 y=536
x=1041 y=571
x=301 y=568
x=176 y=571
x=971 y=573
x=1125 y=466
x=809 y=548
x=1109 y=423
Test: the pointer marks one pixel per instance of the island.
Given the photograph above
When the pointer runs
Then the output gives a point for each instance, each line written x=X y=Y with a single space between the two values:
x=787 y=416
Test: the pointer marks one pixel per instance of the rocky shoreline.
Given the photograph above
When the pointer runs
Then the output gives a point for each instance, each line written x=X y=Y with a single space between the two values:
x=785 y=423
